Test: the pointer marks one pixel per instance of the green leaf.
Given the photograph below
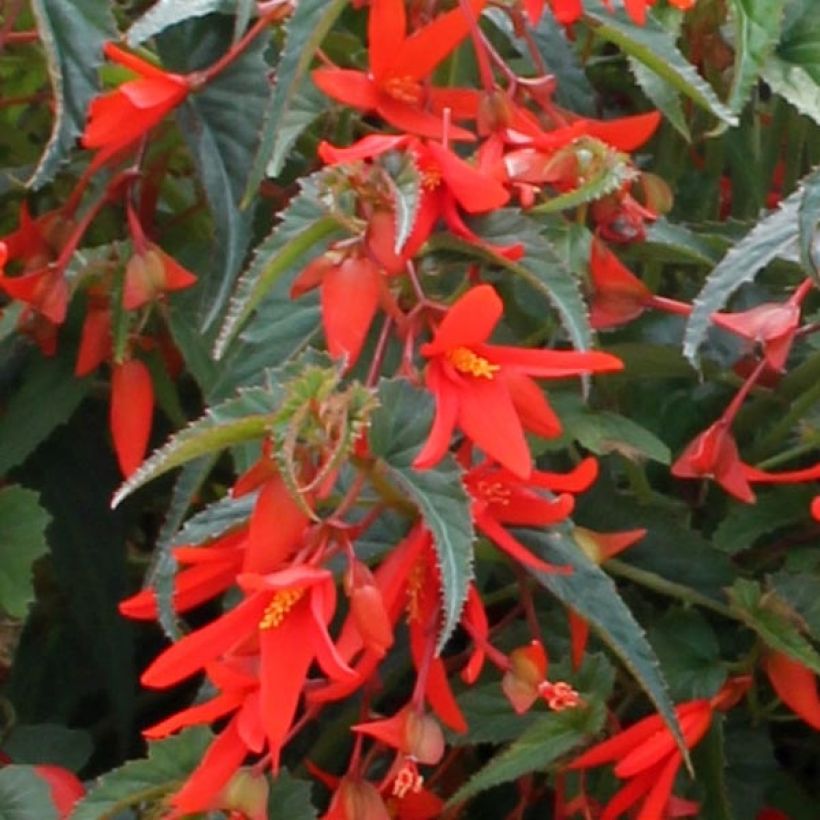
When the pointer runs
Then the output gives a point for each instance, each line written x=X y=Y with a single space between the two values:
x=215 y=520
x=28 y=418
x=548 y=739
x=221 y=126
x=49 y=743
x=490 y=717
x=604 y=432
x=653 y=46
x=168 y=764
x=794 y=84
x=305 y=226
x=683 y=244
x=809 y=223
x=166 y=13
x=766 y=240
x=23 y=524
x=590 y=592
x=665 y=97
x=405 y=182
x=761 y=614
x=801 y=592
x=290 y=798
x=689 y=654
x=72 y=35
x=307 y=27
x=745 y=523
x=757 y=25
x=237 y=420
x=24 y=795
x=709 y=760
x=398 y=429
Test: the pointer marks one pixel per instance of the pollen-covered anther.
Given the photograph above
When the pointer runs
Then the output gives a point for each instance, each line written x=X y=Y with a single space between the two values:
x=415 y=580
x=559 y=695
x=403 y=88
x=407 y=780
x=430 y=178
x=494 y=492
x=281 y=604
x=465 y=361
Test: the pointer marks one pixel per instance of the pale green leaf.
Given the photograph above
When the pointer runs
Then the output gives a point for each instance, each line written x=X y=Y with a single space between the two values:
x=166 y=13
x=24 y=795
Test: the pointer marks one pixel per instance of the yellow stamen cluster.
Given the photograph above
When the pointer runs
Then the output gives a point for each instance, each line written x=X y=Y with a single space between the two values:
x=494 y=492
x=465 y=361
x=407 y=780
x=559 y=695
x=277 y=610
x=403 y=88
x=415 y=581
x=430 y=178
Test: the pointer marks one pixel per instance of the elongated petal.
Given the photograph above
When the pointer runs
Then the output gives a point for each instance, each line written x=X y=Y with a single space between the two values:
x=786 y=477
x=130 y=61
x=350 y=297
x=413 y=120
x=95 y=341
x=194 y=651
x=618 y=745
x=625 y=133
x=554 y=364
x=795 y=685
x=475 y=615
x=469 y=321
x=578 y=638
x=514 y=548
x=628 y=796
x=322 y=605
x=369 y=147
x=131 y=413
x=487 y=415
x=529 y=510
x=577 y=480
x=532 y=406
x=386 y=32
x=392 y=731
x=444 y=421
x=462 y=102
x=223 y=758
x=474 y=190
x=459 y=227
x=195 y=715
x=353 y=88
x=657 y=799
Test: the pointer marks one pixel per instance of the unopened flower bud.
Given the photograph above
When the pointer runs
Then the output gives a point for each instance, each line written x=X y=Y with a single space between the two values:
x=424 y=738
x=247 y=793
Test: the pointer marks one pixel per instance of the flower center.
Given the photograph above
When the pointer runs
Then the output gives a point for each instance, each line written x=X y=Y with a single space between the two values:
x=430 y=176
x=403 y=88
x=281 y=603
x=465 y=361
x=415 y=581
x=559 y=695
x=407 y=780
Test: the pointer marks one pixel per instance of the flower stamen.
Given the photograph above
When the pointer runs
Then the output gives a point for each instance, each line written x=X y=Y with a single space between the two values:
x=465 y=361
x=403 y=88
x=280 y=605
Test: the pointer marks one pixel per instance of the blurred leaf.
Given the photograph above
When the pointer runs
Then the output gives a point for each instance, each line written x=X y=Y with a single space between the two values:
x=290 y=799
x=304 y=32
x=653 y=46
x=809 y=220
x=169 y=762
x=801 y=591
x=72 y=35
x=166 y=13
x=604 y=432
x=709 y=761
x=795 y=85
x=756 y=26
x=24 y=795
x=244 y=418
x=302 y=233
x=398 y=429
x=49 y=743
x=664 y=96
x=590 y=592
x=215 y=520
x=689 y=654
x=23 y=524
x=768 y=238
x=540 y=745
x=750 y=767
x=776 y=630
x=221 y=126
x=490 y=717
x=745 y=523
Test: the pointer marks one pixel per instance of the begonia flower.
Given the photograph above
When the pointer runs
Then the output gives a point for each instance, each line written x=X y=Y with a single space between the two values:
x=795 y=684
x=131 y=412
x=488 y=390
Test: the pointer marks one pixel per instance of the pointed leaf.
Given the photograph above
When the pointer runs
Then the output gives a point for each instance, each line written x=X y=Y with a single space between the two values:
x=22 y=541
x=769 y=237
x=652 y=45
x=795 y=84
x=311 y=21
x=398 y=429
x=306 y=226
x=168 y=763
x=24 y=795
x=809 y=222
x=664 y=96
x=166 y=13
x=235 y=421
x=290 y=798
x=801 y=591
x=405 y=182
x=72 y=35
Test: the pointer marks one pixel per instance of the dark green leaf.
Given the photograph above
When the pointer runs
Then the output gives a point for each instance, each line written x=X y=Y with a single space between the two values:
x=221 y=125
x=305 y=226
x=49 y=743
x=757 y=29
x=166 y=13
x=169 y=762
x=664 y=96
x=72 y=35
x=398 y=429
x=548 y=739
x=235 y=421
x=305 y=31
x=776 y=630
x=809 y=222
x=215 y=520
x=769 y=237
x=590 y=592
x=490 y=717
x=24 y=795
x=653 y=46
x=801 y=592
x=23 y=524
x=290 y=799
x=795 y=85
x=709 y=759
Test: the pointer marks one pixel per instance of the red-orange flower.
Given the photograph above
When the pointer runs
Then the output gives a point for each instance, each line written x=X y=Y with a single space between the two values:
x=131 y=413
x=487 y=390
x=647 y=756
x=120 y=117
x=795 y=685
x=394 y=86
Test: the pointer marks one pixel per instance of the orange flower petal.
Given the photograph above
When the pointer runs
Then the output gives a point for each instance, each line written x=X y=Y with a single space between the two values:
x=131 y=413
